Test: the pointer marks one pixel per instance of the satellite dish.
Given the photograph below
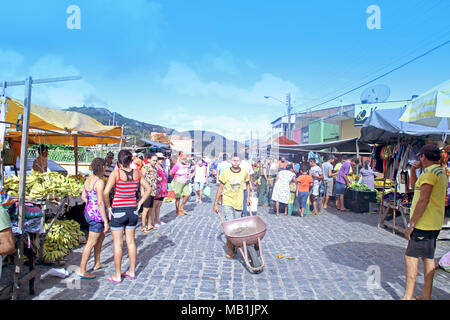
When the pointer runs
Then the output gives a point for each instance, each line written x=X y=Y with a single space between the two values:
x=376 y=93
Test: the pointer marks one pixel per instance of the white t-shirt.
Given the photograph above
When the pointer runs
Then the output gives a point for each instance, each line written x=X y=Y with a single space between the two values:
x=200 y=173
x=247 y=167
x=223 y=166
x=316 y=170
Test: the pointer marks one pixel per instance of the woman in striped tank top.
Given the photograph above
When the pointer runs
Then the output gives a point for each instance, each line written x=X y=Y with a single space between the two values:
x=124 y=211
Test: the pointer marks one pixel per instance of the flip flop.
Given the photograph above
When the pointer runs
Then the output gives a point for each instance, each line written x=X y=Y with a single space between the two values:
x=101 y=268
x=113 y=281
x=229 y=256
x=126 y=275
x=87 y=278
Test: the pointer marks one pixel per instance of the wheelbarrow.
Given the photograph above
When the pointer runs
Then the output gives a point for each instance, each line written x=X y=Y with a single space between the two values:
x=246 y=235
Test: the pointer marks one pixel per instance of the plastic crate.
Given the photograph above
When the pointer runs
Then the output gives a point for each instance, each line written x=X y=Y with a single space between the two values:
x=359 y=201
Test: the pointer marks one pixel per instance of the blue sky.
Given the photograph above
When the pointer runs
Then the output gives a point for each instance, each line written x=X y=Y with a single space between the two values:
x=207 y=64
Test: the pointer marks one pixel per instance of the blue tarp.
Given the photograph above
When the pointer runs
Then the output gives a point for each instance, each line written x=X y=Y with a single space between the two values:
x=155 y=143
x=384 y=126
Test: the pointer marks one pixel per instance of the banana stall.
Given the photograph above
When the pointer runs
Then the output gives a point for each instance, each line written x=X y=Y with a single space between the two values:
x=45 y=237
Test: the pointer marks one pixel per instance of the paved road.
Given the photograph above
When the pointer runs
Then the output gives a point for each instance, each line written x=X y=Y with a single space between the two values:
x=185 y=259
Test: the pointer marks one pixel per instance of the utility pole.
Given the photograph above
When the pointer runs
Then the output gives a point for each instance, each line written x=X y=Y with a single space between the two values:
x=289 y=108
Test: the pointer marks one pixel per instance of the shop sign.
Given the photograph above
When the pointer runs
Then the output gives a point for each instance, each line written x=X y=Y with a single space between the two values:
x=363 y=111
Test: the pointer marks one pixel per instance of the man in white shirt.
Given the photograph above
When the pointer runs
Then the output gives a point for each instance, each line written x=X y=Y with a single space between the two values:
x=316 y=173
x=247 y=166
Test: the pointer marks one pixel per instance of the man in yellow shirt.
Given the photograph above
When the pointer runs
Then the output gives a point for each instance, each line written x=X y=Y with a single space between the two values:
x=426 y=219
x=232 y=181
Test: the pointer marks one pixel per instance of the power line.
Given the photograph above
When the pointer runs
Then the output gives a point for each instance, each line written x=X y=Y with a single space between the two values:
x=379 y=77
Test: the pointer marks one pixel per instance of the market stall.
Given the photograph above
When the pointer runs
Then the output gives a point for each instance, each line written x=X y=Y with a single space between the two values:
x=45 y=195
x=395 y=147
x=432 y=109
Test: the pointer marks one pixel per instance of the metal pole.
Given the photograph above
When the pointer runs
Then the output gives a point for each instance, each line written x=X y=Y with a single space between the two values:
x=357 y=155
x=75 y=150
x=288 y=103
x=22 y=182
x=121 y=139
x=2 y=181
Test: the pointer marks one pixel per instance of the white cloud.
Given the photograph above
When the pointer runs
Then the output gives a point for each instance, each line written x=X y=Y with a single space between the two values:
x=183 y=79
x=11 y=64
x=232 y=127
x=53 y=95
x=223 y=62
x=253 y=111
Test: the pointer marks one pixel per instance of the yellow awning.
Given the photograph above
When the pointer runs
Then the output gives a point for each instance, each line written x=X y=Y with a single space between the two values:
x=64 y=124
x=431 y=107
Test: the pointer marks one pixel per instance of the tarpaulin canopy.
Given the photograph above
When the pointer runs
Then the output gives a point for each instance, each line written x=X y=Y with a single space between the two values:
x=384 y=126
x=430 y=108
x=53 y=126
x=345 y=145
x=156 y=144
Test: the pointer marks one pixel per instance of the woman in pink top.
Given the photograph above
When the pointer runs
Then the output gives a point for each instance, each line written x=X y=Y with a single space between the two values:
x=180 y=173
x=162 y=188
x=95 y=215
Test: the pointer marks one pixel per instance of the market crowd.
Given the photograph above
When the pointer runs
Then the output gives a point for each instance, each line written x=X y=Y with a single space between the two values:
x=119 y=192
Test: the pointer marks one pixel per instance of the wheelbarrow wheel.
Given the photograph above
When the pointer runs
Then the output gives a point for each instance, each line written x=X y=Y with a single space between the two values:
x=253 y=257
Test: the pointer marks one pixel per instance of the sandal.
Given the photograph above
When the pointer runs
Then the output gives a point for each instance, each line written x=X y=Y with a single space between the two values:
x=110 y=279
x=145 y=230
x=126 y=275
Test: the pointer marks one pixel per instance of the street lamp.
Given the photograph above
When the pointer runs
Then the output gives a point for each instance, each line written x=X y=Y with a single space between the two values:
x=289 y=109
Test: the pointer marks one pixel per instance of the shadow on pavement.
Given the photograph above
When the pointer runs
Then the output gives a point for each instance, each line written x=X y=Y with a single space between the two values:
x=367 y=257
x=153 y=249
x=370 y=219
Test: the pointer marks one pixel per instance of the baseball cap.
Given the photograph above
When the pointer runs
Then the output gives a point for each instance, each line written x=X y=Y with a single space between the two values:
x=428 y=148
x=160 y=155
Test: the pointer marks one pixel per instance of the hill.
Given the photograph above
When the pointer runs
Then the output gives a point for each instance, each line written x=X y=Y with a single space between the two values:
x=131 y=127
x=139 y=129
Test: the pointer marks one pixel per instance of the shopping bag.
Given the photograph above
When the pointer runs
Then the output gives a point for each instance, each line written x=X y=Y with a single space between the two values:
x=308 y=203
x=207 y=191
x=290 y=207
x=444 y=263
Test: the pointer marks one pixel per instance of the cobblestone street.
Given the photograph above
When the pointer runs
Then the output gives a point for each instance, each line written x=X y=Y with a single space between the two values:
x=334 y=254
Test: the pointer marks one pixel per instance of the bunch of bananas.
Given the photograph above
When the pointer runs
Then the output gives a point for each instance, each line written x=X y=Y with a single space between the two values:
x=62 y=237
x=53 y=185
x=380 y=183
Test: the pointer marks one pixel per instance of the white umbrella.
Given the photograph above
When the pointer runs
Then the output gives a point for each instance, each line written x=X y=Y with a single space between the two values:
x=430 y=108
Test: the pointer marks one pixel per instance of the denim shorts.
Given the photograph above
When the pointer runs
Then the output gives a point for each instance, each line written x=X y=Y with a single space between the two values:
x=229 y=213
x=198 y=186
x=126 y=217
x=340 y=188
x=302 y=199
x=94 y=226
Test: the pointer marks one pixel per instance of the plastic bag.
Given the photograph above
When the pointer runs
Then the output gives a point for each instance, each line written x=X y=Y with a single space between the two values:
x=207 y=191
x=62 y=273
x=444 y=263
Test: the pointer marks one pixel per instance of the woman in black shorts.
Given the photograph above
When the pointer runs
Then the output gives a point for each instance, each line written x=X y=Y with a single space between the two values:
x=150 y=173
x=124 y=211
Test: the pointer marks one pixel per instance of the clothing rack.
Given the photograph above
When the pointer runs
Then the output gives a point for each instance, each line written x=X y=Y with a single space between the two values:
x=386 y=206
